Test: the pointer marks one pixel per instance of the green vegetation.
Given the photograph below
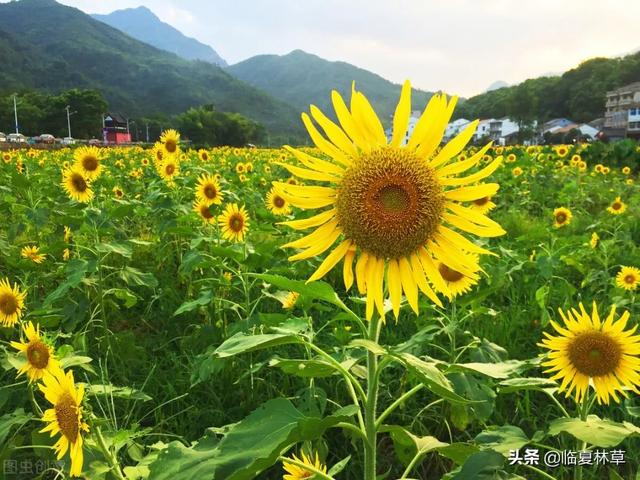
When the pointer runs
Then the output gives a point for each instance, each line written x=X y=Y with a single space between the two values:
x=205 y=126
x=578 y=94
x=48 y=46
x=300 y=79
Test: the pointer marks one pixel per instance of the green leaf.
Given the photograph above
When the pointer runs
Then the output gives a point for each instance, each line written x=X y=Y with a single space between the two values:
x=243 y=343
x=502 y=439
x=594 y=430
x=77 y=361
x=339 y=466
x=315 y=368
x=526 y=383
x=124 y=294
x=118 y=248
x=247 y=447
x=129 y=393
x=485 y=465
x=407 y=445
x=133 y=276
x=314 y=290
x=10 y=420
x=204 y=299
x=370 y=345
x=428 y=374
x=76 y=270
x=494 y=370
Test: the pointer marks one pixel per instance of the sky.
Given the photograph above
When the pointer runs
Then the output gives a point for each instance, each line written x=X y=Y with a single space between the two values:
x=458 y=46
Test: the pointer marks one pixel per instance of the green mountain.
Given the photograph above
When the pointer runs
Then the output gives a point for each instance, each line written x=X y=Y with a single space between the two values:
x=578 y=94
x=300 y=79
x=51 y=47
x=142 y=24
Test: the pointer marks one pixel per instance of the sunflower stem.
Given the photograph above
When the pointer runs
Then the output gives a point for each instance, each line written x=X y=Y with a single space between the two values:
x=584 y=412
x=109 y=455
x=371 y=403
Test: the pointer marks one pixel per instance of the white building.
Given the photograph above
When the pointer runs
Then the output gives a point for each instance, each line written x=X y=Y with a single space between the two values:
x=484 y=127
x=502 y=128
x=455 y=127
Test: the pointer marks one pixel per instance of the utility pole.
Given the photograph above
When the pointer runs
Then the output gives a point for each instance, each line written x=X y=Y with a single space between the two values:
x=147 y=133
x=15 y=111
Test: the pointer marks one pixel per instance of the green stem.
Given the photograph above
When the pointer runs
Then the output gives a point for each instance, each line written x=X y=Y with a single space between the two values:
x=584 y=411
x=371 y=403
x=562 y=409
x=412 y=464
x=397 y=402
x=109 y=455
x=306 y=466
x=539 y=472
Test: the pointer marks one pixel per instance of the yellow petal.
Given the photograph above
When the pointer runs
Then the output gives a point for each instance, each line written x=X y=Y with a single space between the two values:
x=467 y=194
x=334 y=132
x=323 y=144
x=347 y=268
x=332 y=259
x=315 y=163
x=395 y=286
x=409 y=285
x=314 y=221
x=455 y=146
x=401 y=115
x=309 y=174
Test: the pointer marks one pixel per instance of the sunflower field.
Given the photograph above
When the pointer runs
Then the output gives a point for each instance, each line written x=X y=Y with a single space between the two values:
x=369 y=308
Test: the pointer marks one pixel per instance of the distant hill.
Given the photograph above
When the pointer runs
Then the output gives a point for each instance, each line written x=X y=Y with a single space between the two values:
x=52 y=47
x=497 y=85
x=578 y=94
x=300 y=79
x=142 y=24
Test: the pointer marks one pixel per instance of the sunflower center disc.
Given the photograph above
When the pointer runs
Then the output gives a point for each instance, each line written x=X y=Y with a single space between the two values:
x=594 y=354
x=278 y=202
x=170 y=145
x=389 y=202
x=38 y=354
x=8 y=304
x=629 y=279
x=67 y=416
x=616 y=206
x=170 y=169
x=481 y=201
x=561 y=217
x=236 y=223
x=90 y=163
x=205 y=211
x=78 y=182
x=210 y=191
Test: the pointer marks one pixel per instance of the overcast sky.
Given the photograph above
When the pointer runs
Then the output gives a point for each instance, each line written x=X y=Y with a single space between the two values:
x=459 y=46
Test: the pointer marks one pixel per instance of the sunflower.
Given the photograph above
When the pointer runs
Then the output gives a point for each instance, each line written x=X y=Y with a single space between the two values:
x=562 y=151
x=240 y=167
x=458 y=282
x=617 y=207
x=117 y=192
x=511 y=158
x=11 y=303
x=482 y=205
x=169 y=169
x=145 y=161
x=234 y=222
x=588 y=349
x=294 y=472
x=204 y=210
x=6 y=157
x=276 y=203
x=248 y=167
x=203 y=155
x=628 y=278
x=208 y=190
x=77 y=186
x=626 y=170
x=31 y=252
x=562 y=217
x=594 y=240
x=516 y=171
x=39 y=356
x=87 y=162
x=65 y=417
x=170 y=140
x=158 y=154
x=390 y=201
x=289 y=300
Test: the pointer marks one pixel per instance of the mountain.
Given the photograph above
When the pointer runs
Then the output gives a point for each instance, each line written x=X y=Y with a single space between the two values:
x=300 y=79
x=497 y=85
x=52 y=47
x=142 y=24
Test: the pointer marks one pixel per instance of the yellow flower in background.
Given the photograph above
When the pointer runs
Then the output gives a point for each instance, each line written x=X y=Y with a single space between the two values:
x=240 y=167
x=289 y=300
x=169 y=169
x=294 y=472
x=594 y=240
x=562 y=217
x=31 y=252
x=67 y=234
x=628 y=278
x=77 y=186
x=276 y=203
x=626 y=170
x=38 y=355
x=589 y=350
x=234 y=222
x=458 y=282
x=208 y=190
x=389 y=200
x=66 y=254
x=516 y=172
x=11 y=303
x=170 y=140
x=203 y=155
x=617 y=207
x=482 y=205
x=117 y=192
x=204 y=210
x=65 y=418
x=562 y=151
x=87 y=162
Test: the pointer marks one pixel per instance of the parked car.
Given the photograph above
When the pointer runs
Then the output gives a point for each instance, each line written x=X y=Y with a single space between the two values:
x=16 y=138
x=3 y=137
x=46 y=138
x=95 y=142
x=68 y=141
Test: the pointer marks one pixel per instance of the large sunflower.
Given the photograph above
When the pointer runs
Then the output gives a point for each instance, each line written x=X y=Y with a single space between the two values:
x=234 y=222
x=628 y=278
x=169 y=169
x=65 y=417
x=208 y=190
x=294 y=472
x=87 y=161
x=77 y=186
x=392 y=204
x=589 y=350
x=38 y=355
x=11 y=303
x=170 y=140
x=562 y=217
x=276 y=203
